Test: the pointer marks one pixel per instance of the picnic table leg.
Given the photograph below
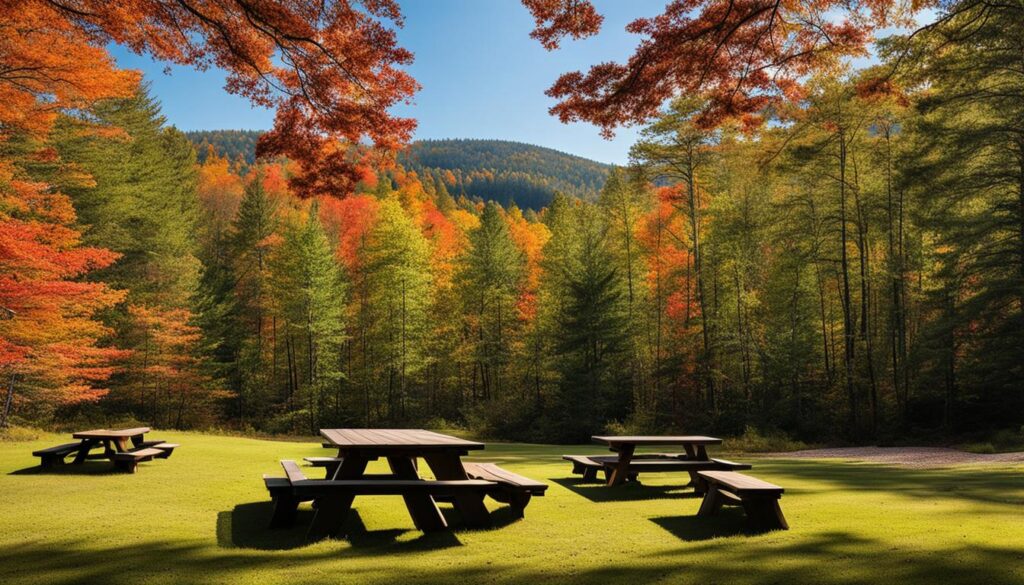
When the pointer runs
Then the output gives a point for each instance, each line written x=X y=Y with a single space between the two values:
x=137 y=440
x=83 y=451
x=620 y=470
x=712 y=503
x=765 y=514
x=422 y=508
x=330 y=512
x=470 y=505
x=698 y=454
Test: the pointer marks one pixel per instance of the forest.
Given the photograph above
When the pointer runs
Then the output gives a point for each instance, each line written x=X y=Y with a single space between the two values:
x=482 y=170
x=852 y=270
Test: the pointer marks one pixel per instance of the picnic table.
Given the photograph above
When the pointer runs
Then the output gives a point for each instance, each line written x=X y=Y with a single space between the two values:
x=401 y=447
x=113 y=441
x=124 y=447
x=463 y=484
x=627 y=463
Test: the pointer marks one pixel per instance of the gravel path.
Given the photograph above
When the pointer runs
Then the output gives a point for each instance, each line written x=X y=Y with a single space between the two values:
x=909 y=456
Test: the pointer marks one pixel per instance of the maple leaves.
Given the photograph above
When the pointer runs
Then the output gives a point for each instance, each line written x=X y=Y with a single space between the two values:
x=332 y=69
x=559 y=18
x=743 y=55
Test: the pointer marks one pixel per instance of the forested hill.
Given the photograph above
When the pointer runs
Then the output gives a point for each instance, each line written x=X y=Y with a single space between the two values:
x=501 y=170
x=228 y=143
x=505 y=171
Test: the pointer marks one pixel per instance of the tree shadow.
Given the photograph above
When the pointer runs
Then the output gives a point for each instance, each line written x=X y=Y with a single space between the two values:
x=830 y=558
x=627 y=492
x=992 y=486
x=728 y=522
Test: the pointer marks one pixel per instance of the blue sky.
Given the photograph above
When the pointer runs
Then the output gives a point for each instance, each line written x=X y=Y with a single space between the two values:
x=482 y=77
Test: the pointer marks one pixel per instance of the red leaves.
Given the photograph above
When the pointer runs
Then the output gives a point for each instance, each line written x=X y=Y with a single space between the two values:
x=332 y=68
x=743 y=55
x=559 y=18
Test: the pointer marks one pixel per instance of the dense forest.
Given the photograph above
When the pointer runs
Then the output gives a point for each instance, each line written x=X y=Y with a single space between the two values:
x=481 y=170
x=506 y=172
x=238 y=146
x=853 y=271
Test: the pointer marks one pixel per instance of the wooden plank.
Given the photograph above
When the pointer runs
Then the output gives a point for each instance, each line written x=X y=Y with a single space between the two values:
x=617 y=440
x=66 y=448
x=111 y=434
x=390 y=487
x=324 y=461
x=395 y=439
x=137 y=455
x=492 y=472
x=292 y=471
x=740 y=484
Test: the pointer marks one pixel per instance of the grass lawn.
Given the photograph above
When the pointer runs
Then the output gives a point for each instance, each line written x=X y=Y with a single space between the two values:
x=200 y=517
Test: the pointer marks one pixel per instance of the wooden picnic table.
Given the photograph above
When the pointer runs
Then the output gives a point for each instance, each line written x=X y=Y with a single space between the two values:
x=114 y=441
x=694 y=446
x=401 y=447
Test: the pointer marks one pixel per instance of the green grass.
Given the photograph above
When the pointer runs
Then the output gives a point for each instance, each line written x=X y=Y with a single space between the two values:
x=200 y=517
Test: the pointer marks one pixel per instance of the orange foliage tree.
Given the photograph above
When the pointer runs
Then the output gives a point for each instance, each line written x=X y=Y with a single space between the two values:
x=743 y=54
x=329 y=67
x=48 y=335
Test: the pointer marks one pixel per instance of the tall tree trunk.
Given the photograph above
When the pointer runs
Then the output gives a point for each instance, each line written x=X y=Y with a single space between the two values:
x=709 y=357
x=8 y=401
x=848 y=325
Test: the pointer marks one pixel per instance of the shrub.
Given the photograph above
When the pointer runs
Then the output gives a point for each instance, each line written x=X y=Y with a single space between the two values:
x=755 y=441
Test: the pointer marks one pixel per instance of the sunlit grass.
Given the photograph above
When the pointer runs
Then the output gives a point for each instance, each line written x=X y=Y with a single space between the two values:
x=201 y=517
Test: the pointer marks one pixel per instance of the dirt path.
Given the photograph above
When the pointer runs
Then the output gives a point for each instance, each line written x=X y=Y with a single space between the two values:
x=909 y=456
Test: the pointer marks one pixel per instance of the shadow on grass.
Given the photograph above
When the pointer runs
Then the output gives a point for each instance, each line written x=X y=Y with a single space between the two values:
x=627 y=492
x=89 y=467
x=246 y=526
x=832 y=558
x=728 y=522
x=994 y=486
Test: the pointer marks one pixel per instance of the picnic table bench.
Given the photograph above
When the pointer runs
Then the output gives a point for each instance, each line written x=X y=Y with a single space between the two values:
x=333 y=498
x=124 y=447
x=626 y=464
x=760 y=499
x=510 y=488
x=464 y=485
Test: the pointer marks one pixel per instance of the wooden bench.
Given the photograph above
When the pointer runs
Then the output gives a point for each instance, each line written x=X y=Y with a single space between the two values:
x=55 y=455
x=330 y=464
x=512 y=489
x=759 y=499
x=333 y=498
x=129 y=460
x=589 y=465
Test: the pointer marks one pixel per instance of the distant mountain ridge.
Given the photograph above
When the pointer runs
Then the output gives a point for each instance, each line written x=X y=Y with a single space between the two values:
x=506 y=171
x=501 y=170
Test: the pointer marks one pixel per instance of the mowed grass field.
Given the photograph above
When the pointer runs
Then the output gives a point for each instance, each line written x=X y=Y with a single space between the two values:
x=201 y=517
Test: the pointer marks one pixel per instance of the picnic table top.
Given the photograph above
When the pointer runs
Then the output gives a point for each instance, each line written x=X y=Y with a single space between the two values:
x=656 y=440
x=111 y=434
x=385 y=439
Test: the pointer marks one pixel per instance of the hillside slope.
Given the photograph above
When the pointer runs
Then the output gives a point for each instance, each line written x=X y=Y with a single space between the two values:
x=501 y=170
x=506 y=171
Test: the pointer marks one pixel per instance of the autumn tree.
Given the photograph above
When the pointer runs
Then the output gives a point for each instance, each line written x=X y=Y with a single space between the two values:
x=745 y=57
x=330 y=69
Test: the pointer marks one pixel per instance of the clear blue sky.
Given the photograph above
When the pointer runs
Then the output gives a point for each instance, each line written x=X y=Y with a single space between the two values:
x=482 y=77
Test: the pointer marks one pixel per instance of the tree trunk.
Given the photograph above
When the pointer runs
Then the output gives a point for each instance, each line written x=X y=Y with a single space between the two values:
x=848 y=325
x=8 y=402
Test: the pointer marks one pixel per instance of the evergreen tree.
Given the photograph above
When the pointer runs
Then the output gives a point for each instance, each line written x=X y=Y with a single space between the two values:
x=491 y=277
x=310 y=290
